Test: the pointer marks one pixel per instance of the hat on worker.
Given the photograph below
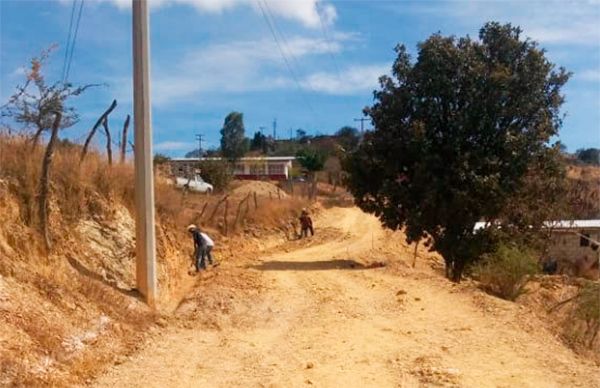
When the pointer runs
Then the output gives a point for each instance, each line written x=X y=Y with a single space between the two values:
x=191 y=227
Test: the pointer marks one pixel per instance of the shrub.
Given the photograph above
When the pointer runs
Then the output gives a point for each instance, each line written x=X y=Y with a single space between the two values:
x=588 y=310
x=216 y=172
x=504 y=272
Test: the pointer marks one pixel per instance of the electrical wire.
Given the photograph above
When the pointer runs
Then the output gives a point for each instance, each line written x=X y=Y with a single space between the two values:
x=68 y=41
x=74 y=40
x=285 y=44
x=283 y=55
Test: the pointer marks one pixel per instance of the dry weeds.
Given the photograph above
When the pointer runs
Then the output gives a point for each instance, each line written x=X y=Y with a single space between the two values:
x=52 y=305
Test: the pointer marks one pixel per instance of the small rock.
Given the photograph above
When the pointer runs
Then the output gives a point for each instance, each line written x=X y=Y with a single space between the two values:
x=417 y=299
x=307 y=381
x=401 y=292
x=310 y=365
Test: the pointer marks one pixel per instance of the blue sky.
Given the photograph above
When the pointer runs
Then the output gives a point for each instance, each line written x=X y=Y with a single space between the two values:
x=210 y=57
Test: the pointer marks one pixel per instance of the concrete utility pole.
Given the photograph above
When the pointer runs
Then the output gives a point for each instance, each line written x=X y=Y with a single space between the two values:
x=145 y=245
x=362 y=121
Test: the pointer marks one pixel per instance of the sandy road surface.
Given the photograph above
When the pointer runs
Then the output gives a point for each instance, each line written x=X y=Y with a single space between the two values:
x=326 y=321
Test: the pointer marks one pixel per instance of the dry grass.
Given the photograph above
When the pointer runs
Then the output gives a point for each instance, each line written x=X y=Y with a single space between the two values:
x=51 y=301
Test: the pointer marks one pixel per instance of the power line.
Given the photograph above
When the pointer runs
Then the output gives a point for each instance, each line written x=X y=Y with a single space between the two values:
x=74 y=40
x=285 y=43
x=285 y=59
x=68 y=41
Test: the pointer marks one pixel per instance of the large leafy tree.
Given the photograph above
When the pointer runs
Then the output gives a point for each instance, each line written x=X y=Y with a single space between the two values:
x=233 y=142
x=458 y=134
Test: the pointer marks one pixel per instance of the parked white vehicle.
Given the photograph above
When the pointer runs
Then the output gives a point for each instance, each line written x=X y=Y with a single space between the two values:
x=196 y=183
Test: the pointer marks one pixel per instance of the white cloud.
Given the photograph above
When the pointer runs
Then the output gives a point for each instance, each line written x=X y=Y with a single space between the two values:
x=242 y=66
x=588 y=75
x=355 y=79
x=303 y=11
x=166 y=146
x=558 y=22
x=18 y=72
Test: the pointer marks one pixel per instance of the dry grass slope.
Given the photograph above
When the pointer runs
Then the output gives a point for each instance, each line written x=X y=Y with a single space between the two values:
x=64 y=314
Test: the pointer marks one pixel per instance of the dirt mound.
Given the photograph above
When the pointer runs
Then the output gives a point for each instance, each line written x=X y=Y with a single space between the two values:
x=261 y=188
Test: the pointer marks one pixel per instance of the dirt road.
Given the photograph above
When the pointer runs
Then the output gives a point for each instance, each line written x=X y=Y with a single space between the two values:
x=326 y=320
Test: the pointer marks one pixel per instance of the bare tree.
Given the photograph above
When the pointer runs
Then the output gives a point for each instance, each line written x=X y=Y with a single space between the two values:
x=124 y=138
x=45 y=180
x=92 y=132
x=108 y=140
x=35 y=102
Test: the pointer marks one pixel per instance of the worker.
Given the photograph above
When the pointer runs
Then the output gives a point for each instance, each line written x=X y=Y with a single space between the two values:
x=200 y=246
x=207 y=251
x=306 y=224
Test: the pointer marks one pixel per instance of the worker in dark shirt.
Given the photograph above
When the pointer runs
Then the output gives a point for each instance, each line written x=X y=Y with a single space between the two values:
x=200 y=246
x=306 y=224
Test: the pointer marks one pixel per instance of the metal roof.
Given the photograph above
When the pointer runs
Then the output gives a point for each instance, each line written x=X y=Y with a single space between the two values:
x=560 y=224
x=252 y=158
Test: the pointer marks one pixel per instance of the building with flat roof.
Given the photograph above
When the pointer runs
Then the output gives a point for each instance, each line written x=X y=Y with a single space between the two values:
x=267 y=167
x=571 y=241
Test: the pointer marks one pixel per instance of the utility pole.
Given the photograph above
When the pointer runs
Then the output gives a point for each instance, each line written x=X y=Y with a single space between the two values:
x=199 y=138
x=362 y=121
x=145 y=245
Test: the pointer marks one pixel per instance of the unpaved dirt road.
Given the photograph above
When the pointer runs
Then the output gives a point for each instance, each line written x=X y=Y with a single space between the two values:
x=325 y=320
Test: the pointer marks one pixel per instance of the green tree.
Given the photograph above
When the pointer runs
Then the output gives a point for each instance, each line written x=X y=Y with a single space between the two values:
x=348 y=137
x=160 y=159
x=258 y=142
x=233 y=142
x=456 y=135
x=588 y=155
x=311 y=161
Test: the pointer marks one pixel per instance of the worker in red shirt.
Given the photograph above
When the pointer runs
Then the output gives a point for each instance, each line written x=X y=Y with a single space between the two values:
x=306 y=224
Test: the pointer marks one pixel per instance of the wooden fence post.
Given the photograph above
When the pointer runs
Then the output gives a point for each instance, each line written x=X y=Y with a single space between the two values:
x=203 y=210
x=214 y=212
x=255 y=201
x=239 y=209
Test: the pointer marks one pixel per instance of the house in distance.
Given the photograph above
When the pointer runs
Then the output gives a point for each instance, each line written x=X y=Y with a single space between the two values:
x=266 y=168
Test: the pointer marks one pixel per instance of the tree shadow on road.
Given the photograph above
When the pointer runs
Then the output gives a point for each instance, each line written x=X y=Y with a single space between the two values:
x=321 y=265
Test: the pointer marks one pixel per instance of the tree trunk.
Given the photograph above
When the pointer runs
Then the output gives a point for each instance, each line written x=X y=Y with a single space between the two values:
x=457 y=269
x=108 y=141
x=36 y=138
x=45 y=181
x=124 y=139
x=95 y=127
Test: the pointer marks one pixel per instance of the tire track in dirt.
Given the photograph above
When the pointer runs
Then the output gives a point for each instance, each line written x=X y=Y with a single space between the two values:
x=326 y=320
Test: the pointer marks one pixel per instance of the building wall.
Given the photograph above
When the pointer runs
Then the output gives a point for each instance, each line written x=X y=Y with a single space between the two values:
x=252 y=169
x=568 y=246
